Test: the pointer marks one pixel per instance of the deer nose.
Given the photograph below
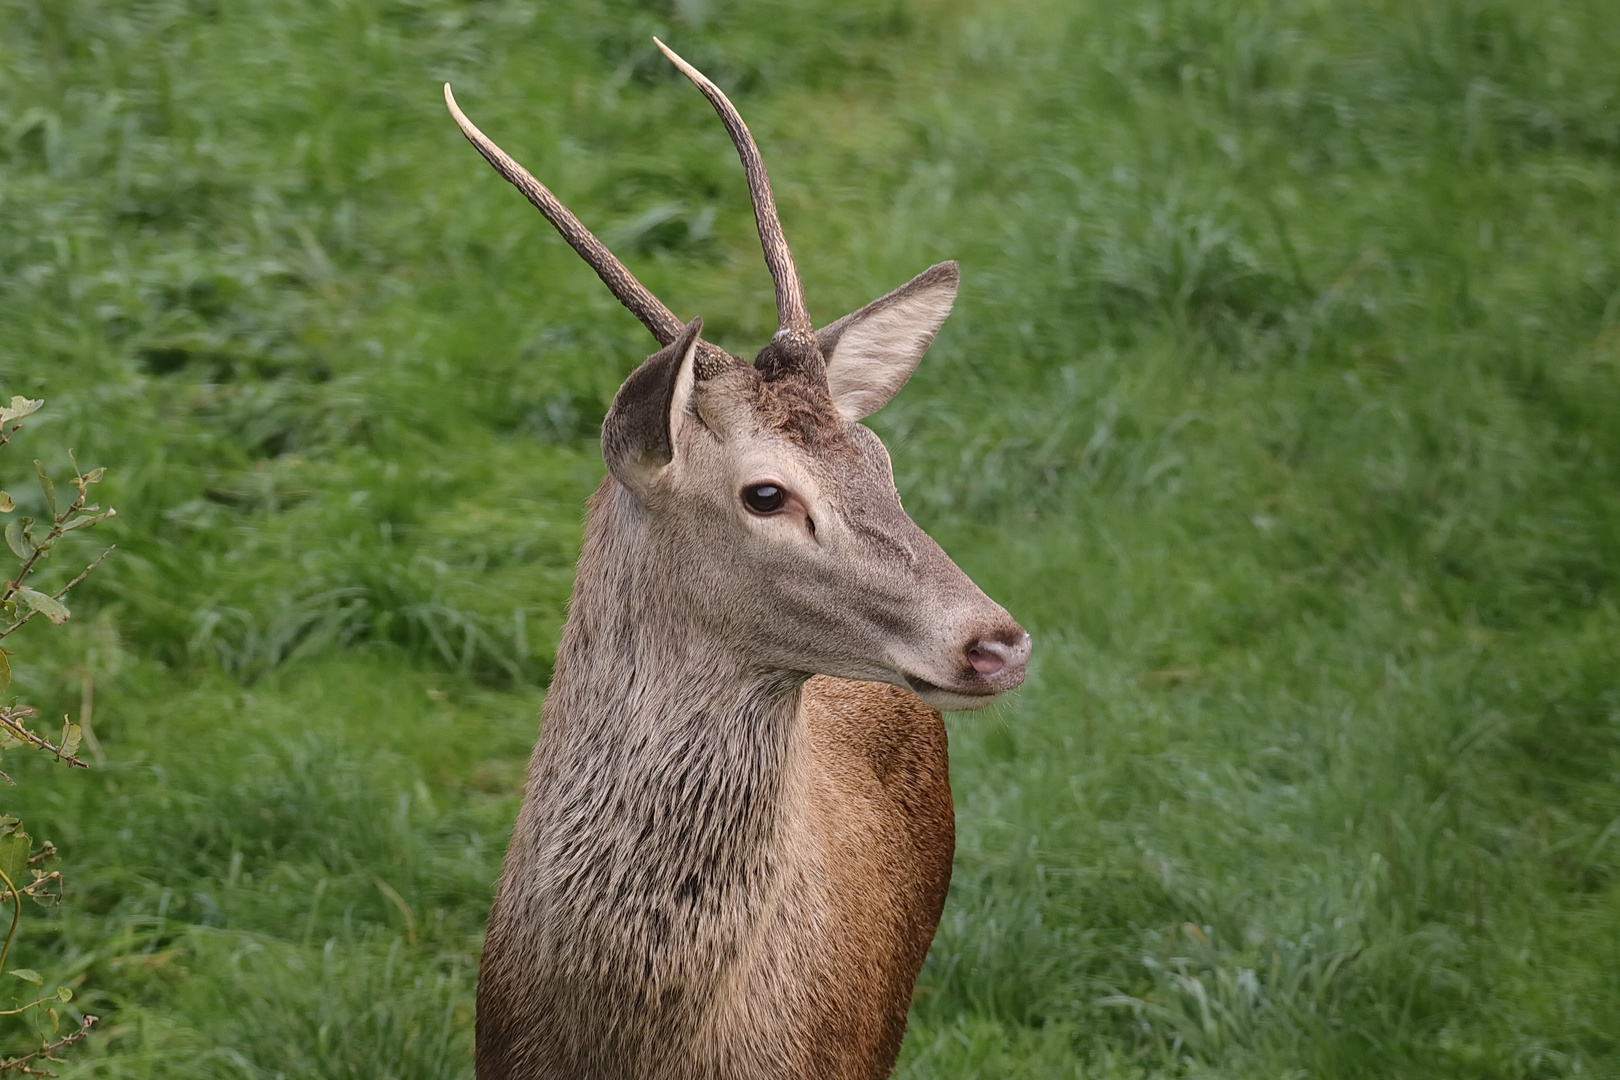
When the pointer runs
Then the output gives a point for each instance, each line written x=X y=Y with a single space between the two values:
x=996 y=660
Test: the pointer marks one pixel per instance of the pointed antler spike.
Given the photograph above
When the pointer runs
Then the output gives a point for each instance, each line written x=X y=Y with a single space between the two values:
x=631 y=293
x=791 y=313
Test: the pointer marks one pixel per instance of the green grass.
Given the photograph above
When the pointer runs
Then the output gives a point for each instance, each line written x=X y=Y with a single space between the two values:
x=1282 y=403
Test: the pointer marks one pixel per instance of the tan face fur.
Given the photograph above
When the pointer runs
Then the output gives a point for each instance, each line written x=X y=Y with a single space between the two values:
x=837 y=579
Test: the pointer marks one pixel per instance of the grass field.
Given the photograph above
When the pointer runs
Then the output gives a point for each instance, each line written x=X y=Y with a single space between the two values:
x=1282 y=404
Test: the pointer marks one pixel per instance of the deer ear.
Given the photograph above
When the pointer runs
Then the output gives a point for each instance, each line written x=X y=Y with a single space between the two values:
x=639 y=432
x=871 y=353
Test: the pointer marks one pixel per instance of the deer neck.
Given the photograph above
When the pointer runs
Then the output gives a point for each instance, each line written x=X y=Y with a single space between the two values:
x=662 y=791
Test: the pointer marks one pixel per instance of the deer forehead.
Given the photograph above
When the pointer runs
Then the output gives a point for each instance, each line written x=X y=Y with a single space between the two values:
x=794 y=407
x=805 y=446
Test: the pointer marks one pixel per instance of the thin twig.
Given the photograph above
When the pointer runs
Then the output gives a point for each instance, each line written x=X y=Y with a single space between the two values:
x=23 y=1064
x=60 y=523
x=11 y=723
x=36 y=1003
x=59 y=593
x=58 y=530
x=83 y=573
x=32 y=891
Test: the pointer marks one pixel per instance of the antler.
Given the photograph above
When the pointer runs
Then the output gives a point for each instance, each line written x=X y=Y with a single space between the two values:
x=791 y=313
x=631 y=293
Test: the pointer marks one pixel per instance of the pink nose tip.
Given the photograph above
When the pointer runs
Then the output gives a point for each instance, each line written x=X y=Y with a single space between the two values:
x=990 y=657
x=984 y=660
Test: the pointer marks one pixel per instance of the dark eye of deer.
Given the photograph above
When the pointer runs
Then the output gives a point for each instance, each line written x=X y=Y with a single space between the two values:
x=764 y=498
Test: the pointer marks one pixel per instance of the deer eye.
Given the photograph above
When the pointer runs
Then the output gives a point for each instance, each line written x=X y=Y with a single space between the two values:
x=764 y=498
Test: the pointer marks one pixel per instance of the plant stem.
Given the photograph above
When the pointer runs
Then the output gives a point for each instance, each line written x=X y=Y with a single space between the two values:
x=59 y=592
x=16 y=916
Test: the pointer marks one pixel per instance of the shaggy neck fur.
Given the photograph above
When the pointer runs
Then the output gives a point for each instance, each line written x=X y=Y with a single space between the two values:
x=651 y=848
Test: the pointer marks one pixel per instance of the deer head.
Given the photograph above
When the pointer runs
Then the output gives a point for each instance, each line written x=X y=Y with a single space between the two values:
x=760 y=482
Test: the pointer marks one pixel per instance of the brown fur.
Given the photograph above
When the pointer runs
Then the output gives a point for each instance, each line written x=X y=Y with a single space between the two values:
x=882 y=808
x=876 y=832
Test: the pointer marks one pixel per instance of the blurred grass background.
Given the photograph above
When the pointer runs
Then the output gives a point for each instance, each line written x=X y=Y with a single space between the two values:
x=1282 y=403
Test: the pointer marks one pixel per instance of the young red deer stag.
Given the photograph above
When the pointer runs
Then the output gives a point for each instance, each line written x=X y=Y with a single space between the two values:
x=737 y=831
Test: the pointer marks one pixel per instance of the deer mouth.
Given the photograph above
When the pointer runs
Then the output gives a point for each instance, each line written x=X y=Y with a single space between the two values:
x=950 y=698
x=923 y=686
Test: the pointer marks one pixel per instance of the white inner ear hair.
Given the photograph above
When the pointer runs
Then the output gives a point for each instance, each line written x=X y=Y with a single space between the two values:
x=878 y=351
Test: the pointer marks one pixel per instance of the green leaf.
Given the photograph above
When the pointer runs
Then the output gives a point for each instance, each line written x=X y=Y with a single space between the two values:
x=86 y=522
x=50 y=607
x=5 y=671
x=14 y=851
x=6 y=505
x=46 y=485
x=28 y=975
x=71 y=737
x=19 y=408
x=63 y=994
x=95 y=474
x=17 y=538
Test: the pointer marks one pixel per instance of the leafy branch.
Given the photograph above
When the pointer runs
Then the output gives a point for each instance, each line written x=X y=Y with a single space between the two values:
x=12 y=416
x=23 y=869
x=21 y=602
x=14 y=732
x=47 y=1051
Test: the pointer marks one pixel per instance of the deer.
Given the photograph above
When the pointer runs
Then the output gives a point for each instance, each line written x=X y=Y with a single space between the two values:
x=736 y=833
